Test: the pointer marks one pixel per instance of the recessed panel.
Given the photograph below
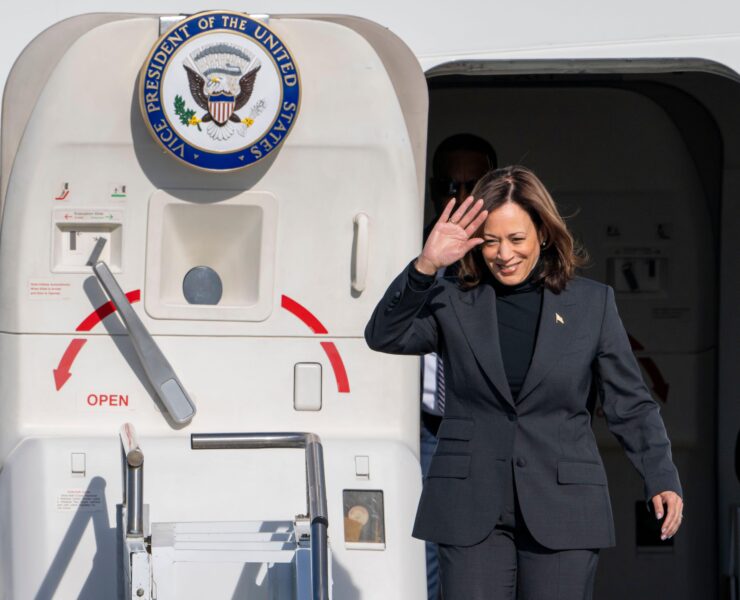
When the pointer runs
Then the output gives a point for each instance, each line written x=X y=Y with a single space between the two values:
x=211 y=260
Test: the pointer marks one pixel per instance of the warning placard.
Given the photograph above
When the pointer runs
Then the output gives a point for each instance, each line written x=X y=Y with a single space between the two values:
x=80 y=500
x=49 y=290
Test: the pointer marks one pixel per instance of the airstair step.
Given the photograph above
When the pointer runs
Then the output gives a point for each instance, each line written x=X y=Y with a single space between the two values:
x=225 y=541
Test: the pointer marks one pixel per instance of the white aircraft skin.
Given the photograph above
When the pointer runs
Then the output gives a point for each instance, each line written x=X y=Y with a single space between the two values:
x=438 y=33
x=522 y=38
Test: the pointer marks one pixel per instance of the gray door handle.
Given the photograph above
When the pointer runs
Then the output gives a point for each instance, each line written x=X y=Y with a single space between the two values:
x=158 y=370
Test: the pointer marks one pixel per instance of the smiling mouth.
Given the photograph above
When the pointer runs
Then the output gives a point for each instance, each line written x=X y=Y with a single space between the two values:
x=507 y=270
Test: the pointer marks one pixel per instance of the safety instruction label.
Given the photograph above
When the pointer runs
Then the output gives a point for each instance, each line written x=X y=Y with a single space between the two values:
x=80 y=500
x=87 y=216
x=49 y=290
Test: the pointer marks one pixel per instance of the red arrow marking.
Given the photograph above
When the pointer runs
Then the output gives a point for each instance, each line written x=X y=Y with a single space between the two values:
x=105 y=310
x=303 y=314
x=340 y=374
x=61 y=373
x=660 y=386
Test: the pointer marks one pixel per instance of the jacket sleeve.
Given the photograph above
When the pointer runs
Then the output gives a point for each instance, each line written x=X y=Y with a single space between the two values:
x=632 y=414
x=403 y=322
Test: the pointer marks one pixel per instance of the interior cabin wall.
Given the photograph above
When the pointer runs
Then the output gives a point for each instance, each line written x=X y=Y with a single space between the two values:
x=722 y=97
x=622 y=164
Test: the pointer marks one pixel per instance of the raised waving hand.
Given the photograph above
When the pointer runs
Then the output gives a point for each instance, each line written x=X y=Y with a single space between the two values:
x=451 y=239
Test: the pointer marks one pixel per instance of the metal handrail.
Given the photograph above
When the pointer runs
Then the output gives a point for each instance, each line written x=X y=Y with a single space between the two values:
x=318 y=513
x=133 y=495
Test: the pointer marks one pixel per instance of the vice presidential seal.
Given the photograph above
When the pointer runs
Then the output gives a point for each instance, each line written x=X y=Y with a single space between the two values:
x=219 y=91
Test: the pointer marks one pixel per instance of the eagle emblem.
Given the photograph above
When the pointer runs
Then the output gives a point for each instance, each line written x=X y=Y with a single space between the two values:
x=219 y=91
x=221 y=79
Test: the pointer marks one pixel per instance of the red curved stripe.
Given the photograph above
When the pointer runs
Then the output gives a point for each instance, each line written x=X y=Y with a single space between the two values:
x=340 y=374
x=660 y=385
x=105 y=310
x=303 y=314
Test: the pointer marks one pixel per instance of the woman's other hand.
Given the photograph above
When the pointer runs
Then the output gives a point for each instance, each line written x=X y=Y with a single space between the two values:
x=450 y=239
x=674 y=514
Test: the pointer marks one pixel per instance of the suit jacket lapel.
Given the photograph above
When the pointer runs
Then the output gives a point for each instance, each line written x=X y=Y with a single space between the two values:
x=558 y=324
x=476 y=312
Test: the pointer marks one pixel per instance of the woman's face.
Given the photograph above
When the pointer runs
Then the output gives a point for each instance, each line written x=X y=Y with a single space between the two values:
x=511 y=244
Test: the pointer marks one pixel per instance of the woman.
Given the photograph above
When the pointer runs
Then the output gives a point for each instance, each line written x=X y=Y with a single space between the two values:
x=516 y=493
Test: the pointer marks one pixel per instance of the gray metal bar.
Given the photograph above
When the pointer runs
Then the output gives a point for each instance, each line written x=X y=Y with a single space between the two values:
x=246 y=441
x=131 y=449
x=315 y=480
x=319 y=560
x=318 y=513
x=133 y=498
x=97 y=251
x=135 y=501
x=158 y=370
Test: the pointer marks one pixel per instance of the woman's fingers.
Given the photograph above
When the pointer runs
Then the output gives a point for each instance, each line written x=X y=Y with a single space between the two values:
x=471 y=214
x=472 y=243
x=673 y=517
x=465 y=216
x=459 y=214
x=674 y=512
x=445 y=216
x=449 y=240
x=477 y=222
x=658 y=506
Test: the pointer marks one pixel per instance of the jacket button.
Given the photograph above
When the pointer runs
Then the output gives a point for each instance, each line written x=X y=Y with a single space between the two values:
x=520 y=462
x=512 y=417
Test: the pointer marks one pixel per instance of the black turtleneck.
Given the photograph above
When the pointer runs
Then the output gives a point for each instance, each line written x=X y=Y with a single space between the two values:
x=518 y=310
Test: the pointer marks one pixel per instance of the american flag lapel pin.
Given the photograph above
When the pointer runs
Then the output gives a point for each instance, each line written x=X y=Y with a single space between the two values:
x=559 y=320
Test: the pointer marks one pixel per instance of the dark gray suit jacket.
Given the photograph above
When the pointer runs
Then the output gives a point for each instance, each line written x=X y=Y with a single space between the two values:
x=581 y=350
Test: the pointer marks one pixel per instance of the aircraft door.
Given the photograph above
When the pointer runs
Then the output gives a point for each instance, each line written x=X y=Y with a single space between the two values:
x=255 y=282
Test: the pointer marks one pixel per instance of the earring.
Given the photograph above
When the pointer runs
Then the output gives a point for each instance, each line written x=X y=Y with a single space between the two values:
x=543 y=244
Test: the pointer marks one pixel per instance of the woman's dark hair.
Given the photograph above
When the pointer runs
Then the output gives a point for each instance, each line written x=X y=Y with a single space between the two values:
x=559 y=257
